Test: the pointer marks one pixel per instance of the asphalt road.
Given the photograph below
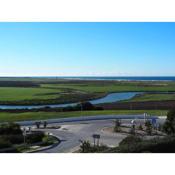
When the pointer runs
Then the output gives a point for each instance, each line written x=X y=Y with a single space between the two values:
x=75 y=129
x=86 y=118
x=71 y=134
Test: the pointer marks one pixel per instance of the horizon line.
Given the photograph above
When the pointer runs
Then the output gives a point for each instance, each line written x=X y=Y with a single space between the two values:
x=31 y=76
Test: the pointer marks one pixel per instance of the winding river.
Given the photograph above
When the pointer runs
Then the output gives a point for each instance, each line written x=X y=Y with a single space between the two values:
x=110 y=98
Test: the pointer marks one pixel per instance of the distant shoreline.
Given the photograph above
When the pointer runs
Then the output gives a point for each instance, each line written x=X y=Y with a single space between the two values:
x=102 y=78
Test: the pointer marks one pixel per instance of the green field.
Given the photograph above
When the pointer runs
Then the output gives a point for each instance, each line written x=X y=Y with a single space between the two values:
x=153 y=97
x=17 y=94
x=106 y=87
x=52 y=91
x=12 y=117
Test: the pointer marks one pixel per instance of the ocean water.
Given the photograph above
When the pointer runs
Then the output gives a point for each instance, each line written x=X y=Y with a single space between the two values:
x=128 y=78
x=118 y=78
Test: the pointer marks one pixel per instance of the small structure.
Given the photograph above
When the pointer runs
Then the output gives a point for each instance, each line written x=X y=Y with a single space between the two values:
x=96 y=136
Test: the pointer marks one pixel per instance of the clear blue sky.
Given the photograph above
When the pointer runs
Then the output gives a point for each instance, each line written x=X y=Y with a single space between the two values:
x=87 y=49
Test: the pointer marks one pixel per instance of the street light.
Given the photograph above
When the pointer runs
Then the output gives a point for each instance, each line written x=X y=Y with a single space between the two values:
x=24 y=134
x=145 y=114
x=133 y=123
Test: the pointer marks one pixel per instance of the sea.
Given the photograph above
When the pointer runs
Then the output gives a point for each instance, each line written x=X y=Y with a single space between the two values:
x=117 y=78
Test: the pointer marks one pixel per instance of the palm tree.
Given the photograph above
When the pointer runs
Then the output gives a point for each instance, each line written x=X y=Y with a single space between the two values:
x=38 y=124
x=117 y=125
x=45 y=124
x=148 y=126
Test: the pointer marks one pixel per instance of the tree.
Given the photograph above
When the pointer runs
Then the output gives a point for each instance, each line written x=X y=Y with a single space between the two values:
x=38 y=124
x=148 y=126
x=85 y=146
x=140 y=127
x=45 y=124
x=117 y=126
x=85 y=106
x=10 y=128
x=169 y=125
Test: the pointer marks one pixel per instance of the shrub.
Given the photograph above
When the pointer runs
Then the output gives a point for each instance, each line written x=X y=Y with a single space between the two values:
x=148 y=126
x=130 y=140
x=86 y=147
x=35 y=137
x=140 y=127
x=13 y=139
x=48 y=140
x=117 y=126
x=10 y=128
x=155 y=145
x=85 y=106
x=4 y=143
x=169 y=125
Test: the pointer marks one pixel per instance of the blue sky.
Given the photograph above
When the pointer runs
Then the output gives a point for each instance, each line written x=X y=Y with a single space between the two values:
x=87 y=49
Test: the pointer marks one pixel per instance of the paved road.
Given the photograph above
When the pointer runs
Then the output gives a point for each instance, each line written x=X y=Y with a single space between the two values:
x=86 y=118
x=71 y=134
x=74 y=129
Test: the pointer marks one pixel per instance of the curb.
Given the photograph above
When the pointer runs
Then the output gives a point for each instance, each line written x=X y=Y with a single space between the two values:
x=47 y=147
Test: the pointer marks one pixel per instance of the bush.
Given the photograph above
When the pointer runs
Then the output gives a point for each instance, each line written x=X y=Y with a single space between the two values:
x=169 y=125
x=130 y=140
x=86 y=147
x=140 y=127
x=4 y=144
x=85 y=106
x=10 y=129
x=148 y=126
x=117 y=126
x=156 y=145
x=13 y=139
x=35 y=137
x=48 y=140
x=11 y=133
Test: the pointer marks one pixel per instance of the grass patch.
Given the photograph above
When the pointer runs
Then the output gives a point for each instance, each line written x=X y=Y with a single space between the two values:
x=114 y=86
x=12 y=117
x=52 y=91
x=152 y=97
x=21 y=94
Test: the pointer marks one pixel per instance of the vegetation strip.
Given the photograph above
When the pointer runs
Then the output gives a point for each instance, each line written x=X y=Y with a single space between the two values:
x=28 y=91
x=12 y=117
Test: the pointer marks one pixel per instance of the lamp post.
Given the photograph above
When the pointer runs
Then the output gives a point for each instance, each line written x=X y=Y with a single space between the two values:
x=24 y=134
x=145 y=115
x=133 y=123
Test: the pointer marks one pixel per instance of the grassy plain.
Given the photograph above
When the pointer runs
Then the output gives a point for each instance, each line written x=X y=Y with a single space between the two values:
x=12 y=117
x=17 y=94
x=51 y=91
x=152 y=97
x=113 y=86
